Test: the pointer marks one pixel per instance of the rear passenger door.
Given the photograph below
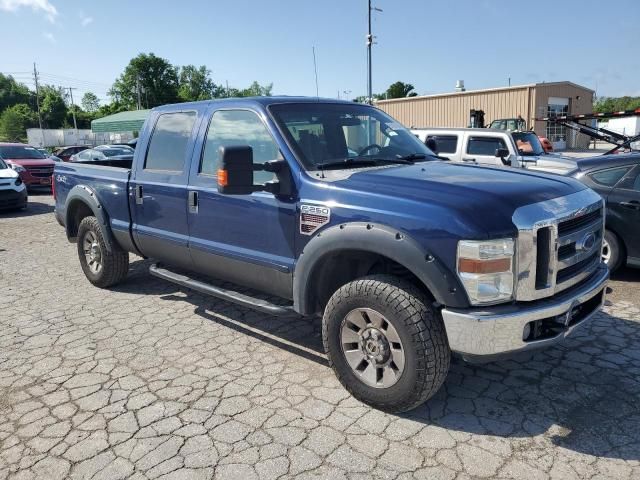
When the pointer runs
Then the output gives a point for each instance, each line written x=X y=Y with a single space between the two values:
x=482 y=149
x=158 y=190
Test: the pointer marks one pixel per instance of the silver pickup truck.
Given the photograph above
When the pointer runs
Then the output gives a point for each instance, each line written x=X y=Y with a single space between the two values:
x=494 y=147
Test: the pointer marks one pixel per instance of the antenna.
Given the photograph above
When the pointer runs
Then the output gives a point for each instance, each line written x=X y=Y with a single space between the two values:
x=315 y=69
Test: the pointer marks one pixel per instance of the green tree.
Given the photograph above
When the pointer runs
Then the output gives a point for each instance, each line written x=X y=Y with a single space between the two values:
x=53 y=106
x=14 y=122
x=151 y=77
x=400 y=90
x=13 y=93
x=90 y=102
x=616 y=104
x=256 y=90
x=195 y=83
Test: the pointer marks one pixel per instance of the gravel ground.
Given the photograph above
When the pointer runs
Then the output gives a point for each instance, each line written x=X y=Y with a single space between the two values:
x=152 y=381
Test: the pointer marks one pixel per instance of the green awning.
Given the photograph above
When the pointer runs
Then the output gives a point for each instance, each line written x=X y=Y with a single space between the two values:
x=120 y=122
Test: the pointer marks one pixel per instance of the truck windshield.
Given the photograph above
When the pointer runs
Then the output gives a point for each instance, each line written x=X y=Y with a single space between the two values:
x=19 y=152
x=528 y=144
x=329 y=133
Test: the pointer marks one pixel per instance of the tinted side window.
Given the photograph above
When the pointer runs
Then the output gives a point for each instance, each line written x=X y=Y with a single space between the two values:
x=445 y=143
x=610 y=177
x=485 y=145
x=238 y=127
x=168 y=145
x=636 y=184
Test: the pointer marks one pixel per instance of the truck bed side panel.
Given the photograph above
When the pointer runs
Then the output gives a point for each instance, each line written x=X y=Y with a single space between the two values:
x=109 y=185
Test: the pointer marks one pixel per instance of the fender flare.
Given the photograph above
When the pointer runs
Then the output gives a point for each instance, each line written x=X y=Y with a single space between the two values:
x=382 y=240
x=88 y=196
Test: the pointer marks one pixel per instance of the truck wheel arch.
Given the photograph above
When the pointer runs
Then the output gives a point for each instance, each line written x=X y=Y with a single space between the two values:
x=82 y=202
x=365 y=241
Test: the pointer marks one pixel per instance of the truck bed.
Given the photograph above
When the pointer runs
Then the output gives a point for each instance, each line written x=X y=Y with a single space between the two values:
x=107 y=180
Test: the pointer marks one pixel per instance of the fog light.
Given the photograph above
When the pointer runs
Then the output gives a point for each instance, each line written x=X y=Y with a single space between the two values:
x=526 y=332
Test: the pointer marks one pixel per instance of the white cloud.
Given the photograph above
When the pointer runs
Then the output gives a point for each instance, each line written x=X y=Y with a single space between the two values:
x=49 y=36
x=85 y=20
x=43 y=6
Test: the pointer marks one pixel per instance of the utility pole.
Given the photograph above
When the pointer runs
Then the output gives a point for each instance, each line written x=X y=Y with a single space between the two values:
x=369 y=44
x=315 y=69
x=73 y=110
x=138 y=92
x=35 y=78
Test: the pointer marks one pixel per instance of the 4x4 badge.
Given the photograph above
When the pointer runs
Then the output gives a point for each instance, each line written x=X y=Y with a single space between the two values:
x=312 y=217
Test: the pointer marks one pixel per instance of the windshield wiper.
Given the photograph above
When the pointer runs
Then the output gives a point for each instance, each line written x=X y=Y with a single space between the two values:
x=412 y=157
x=361 y=162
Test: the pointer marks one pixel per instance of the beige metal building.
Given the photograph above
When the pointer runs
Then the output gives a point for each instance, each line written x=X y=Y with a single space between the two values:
x=530 y=101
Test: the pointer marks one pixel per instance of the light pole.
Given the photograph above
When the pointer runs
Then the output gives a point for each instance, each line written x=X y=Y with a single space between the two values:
x=369 y=44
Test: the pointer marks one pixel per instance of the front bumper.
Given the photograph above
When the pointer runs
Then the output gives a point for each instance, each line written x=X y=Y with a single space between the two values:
x=10 y=198
x=493 y=332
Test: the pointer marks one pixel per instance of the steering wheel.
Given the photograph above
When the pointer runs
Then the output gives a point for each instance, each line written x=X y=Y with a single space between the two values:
x=369 y=147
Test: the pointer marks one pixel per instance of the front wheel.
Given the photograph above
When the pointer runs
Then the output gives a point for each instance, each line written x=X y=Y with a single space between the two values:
x=612 y=253
x=386 y=342
x=102 y=267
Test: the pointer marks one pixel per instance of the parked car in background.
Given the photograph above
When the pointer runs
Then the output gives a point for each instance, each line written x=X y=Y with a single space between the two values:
x=485 y=146
x=65 y=153
x=13 y=192
x=617 y=179
x=35 y=168
x=104 y=152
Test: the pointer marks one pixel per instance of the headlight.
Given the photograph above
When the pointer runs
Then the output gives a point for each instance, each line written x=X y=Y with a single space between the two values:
x=17 y=168
x=18 y=182
x=485 y=268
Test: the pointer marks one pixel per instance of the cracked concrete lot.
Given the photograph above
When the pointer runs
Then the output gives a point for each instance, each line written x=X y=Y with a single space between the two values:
x=151 y=381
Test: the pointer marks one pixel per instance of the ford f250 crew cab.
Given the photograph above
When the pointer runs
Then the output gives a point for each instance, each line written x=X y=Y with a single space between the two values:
x=336 y=209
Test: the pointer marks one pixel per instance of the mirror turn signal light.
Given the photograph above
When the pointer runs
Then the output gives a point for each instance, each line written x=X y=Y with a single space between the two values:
x=223 y=178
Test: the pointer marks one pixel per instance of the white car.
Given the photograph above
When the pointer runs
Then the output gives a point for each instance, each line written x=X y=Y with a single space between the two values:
x=13 y=193
x=485 y=146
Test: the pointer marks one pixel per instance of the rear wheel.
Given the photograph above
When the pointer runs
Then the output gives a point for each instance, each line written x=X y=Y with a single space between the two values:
x=102 y=267
x=386 y=342
x=612 y=251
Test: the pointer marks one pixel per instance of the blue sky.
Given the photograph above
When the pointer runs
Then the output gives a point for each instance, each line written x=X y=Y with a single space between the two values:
x=430 y=44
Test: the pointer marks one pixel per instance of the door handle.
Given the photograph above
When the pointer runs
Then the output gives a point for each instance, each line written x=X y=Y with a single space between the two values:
x=139 y=194
x=193 y=201
x=633 y=204
x=469 y=160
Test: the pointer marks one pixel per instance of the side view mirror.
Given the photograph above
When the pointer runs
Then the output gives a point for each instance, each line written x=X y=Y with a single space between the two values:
x=235 y=175
x=502 y=154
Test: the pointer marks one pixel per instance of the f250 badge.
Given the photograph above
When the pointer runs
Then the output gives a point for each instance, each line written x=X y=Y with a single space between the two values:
x=312 y=217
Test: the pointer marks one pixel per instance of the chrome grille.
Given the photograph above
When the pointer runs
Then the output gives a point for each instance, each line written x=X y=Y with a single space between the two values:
x=559 y=243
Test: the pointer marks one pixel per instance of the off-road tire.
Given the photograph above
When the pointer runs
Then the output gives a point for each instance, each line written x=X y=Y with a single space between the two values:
x=115 y=263
x=616 y=250
x=417 y=322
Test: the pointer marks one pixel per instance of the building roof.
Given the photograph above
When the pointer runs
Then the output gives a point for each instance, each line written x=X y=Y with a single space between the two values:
x=120 y=122
x=486 y=90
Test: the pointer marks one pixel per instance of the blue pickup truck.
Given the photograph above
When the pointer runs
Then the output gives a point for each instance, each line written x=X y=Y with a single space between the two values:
x=333 y=208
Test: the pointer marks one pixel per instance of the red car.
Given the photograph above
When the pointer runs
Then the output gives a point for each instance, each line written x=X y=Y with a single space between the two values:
x=35 y=168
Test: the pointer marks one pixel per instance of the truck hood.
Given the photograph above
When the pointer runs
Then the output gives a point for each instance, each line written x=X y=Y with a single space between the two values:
x=40 y=162
x=480 y=196
x=8 y=173
x=552 y=163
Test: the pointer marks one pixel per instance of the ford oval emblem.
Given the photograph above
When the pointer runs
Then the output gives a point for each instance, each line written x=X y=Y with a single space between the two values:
x=587 y=242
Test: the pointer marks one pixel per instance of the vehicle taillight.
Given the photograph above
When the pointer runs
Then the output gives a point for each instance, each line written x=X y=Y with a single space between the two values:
x=53 y=186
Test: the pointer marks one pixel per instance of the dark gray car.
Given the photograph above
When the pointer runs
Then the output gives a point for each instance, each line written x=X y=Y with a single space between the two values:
x=617 y=179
